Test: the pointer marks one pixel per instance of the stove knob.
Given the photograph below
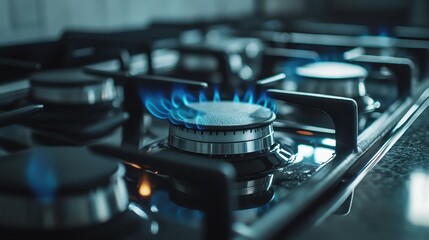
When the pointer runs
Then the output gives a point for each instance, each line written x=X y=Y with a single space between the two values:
x=59 y=188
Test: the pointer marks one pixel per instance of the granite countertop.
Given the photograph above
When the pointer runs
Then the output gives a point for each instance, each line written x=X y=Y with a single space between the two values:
x=392 y=201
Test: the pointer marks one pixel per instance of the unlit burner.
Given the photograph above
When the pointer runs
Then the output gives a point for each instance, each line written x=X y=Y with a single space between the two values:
x=60 y=188
x=333 y=78
x=221 y=128
x=71 y=87
x=338 y=79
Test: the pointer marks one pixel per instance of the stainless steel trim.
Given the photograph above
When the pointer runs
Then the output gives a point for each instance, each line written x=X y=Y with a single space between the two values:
x=333 y=78
x=221 y=142
x=68 y=211
x=338 y=87
x=254 y=186
x=90 y=94
x=241 y=188
x=220 y=136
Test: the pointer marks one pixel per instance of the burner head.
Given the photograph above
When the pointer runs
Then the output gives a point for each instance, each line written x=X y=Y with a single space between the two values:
x=221 y=128
x=249 y=193
x=59 y=188
x=71 y=87
x=333 y=78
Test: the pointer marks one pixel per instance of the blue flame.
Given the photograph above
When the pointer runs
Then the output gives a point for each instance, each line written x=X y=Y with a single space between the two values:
x=157 y=108
x=162 y=107
x=200 y=120
x=216 y=95
x=248 y=96
x=202 y=96
x=236 y=97
x=41 y=177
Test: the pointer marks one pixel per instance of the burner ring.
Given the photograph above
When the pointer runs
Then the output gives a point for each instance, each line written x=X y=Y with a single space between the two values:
x=254 y=192
x=221 y=142
x=222 y=128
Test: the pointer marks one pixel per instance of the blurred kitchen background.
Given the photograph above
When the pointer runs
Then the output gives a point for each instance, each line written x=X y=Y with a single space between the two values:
x=23 y=21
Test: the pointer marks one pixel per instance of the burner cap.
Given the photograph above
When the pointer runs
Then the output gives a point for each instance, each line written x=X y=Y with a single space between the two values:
x=221 y=128
x=222 y=116
x=331 y=70
x=71 y=87
x=59 y=188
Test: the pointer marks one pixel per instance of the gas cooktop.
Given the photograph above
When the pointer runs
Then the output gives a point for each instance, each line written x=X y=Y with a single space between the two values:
x=219 y=130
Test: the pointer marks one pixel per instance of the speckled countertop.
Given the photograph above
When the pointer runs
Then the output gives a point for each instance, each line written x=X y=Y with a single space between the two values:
x=392 y=201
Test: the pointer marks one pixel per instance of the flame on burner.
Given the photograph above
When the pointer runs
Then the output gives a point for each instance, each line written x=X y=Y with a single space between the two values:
x=161 y=106
x=41 y=177
x=383 y=31
x=145 y=188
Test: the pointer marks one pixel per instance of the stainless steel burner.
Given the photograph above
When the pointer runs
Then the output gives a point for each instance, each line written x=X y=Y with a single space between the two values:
x=70 y=87
x=250 y=193
x=333 y=78
x=241 y=133
x=222 y=128
x=241 y=188
x=58 y=188
x=337 y=79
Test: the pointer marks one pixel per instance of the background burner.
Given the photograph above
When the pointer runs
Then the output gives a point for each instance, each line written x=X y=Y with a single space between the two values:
x=337 y=79
x=237 y=132
x=60 y=188
x=78 y=106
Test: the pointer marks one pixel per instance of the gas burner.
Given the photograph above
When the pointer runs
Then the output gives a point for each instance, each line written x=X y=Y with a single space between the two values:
x=338 y=79
x=222 y=128
x=61 y=188
x=334 y=78
x=237 y=132
x=68 y=94
x=71 y=87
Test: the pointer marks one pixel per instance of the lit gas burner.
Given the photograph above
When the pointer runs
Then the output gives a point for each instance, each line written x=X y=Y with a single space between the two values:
x=338 y=79
x=222 y=128
x=238 y=132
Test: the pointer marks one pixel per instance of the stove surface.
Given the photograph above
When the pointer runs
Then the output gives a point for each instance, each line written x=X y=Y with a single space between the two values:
x=213 y=131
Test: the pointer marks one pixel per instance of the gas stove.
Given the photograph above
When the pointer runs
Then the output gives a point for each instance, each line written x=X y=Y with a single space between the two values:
x=221 y=130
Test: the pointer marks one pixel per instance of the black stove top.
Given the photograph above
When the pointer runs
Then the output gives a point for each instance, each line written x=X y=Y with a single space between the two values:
x=218 y=130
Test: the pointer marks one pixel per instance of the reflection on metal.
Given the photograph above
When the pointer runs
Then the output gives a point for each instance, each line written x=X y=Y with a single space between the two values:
x=132 y=164
x=154 y=227
x=305 y=133
x=314 y=154
x=418 y=207
x=153 y=209
x=304 y=151
x=328 y=142
x=145 y=189
x=321 y=155
x=138 y=210
x=346 y=206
